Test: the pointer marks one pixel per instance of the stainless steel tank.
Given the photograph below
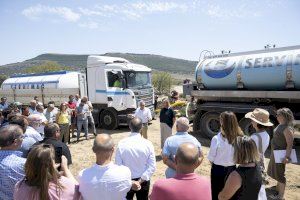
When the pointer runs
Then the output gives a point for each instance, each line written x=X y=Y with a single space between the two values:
x=274 y=69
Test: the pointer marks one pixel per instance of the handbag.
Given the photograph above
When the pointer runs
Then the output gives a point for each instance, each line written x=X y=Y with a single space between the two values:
x=261 y=161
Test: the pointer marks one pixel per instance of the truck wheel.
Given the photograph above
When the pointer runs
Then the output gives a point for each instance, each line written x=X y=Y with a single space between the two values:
x=108 y=120
x=246 y=126
x=210 y=124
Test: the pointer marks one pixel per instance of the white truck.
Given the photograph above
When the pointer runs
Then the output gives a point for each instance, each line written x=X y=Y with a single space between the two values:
x=113 y=85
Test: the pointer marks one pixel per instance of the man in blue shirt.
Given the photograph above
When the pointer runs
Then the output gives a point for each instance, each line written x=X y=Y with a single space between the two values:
x=3 y=103
x=11 y=161
x=173 y=142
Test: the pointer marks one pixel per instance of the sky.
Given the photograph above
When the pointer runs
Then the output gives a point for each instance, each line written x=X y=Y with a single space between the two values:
x=175 y=28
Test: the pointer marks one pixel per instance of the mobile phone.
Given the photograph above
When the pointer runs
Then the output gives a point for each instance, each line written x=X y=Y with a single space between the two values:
x=58 y=155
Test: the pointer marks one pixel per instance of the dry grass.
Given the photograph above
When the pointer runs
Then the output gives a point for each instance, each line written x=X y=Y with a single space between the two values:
x=83 y=157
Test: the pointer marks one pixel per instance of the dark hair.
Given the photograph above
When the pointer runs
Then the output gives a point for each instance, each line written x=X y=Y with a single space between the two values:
x=6 y=112
x=261 y=127
x=51 y=102
x=19 y=120
x=50 y=129
x=8 y=134
x=135 y=125
x=40 y=171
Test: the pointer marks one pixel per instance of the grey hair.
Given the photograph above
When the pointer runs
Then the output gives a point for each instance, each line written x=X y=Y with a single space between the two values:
x=105 y=146
x=182 y=124
x=9 y=133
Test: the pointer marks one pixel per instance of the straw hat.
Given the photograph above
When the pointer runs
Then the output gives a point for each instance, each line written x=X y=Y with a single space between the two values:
x=260 y=116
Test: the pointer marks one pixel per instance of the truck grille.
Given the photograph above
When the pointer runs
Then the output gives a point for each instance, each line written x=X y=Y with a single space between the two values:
x=146 y=95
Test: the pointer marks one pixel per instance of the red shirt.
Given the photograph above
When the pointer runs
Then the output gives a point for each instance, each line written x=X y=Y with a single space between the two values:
x=72 y=105
x=182 y=186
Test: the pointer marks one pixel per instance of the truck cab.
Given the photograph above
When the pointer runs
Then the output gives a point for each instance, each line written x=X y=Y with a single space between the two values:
x=115 y=86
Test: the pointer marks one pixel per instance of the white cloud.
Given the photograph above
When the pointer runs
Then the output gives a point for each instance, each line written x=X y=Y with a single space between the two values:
x=36 y=12
x=89 y=25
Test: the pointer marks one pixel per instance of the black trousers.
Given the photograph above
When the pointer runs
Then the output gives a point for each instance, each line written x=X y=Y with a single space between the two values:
x=142 y=194
x=218 y=177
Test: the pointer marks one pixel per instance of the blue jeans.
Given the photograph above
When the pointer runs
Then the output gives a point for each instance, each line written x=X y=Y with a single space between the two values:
x=81 y=123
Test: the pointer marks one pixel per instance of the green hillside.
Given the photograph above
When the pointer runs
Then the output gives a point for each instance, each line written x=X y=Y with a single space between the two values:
x=78 y=62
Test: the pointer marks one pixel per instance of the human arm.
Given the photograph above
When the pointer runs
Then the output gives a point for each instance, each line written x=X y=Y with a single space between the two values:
x=233 y=183
x=166 y=156
x=149 y=115
x=151 y=165
x=288 y=134
x=66 y=172
x=213 y=149
x=118 y=158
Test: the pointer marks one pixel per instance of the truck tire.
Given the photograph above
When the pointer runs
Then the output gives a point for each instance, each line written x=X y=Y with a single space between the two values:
x=210 y=124
x=246 y=126
x=108 y=120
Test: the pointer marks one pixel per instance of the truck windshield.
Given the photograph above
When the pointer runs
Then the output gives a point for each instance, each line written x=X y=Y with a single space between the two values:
x=138 y=79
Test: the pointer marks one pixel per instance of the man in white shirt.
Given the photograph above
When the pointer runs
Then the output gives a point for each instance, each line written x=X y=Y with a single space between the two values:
x=144 y=114
x=89 y=115
x=32 y=107
x=105 y=180
x=34 y=122
x=137 y=153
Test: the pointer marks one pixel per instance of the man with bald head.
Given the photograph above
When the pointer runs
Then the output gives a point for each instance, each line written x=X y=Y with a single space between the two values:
x=11 y=161
x=172 y=143
x=187 y=159
x=105 y=180
x=138 y=155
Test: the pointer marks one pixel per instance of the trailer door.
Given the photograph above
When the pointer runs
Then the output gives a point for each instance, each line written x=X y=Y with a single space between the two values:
x=82 y=85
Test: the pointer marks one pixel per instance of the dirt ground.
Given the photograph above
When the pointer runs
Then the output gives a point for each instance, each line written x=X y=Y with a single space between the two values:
x=83 y=157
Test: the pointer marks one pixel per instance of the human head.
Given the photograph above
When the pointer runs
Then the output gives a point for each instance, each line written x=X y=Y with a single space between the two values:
x=34 y=120
x=33 y=103
x=36 y=98
x=40 y=169
x=77 y=96
x=19 y=120
x=25 y=111
x=40 y=108
x=187 y=158
x=11 y=137
x=259 y=119
x=166 y=103
x=103 y=146
x=3 y=100
x=52 y=130
x=71 y=98
x=245 y=150
x=135 y=125
x=230 y=128
x=182 y=124
x=142 y=104
x=50 y=106
x=63 y=107
x=83 y=100
x=285 y=116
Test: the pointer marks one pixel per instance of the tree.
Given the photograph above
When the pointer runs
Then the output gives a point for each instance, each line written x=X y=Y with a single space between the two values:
x=162 y=82
x=3 y=78
x=48 y=66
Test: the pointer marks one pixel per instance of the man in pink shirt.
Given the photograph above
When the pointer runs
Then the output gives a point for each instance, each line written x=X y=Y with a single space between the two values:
x=186 y=184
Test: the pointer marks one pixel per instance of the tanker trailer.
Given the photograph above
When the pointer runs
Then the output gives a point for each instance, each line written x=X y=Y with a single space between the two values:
x=240 y=82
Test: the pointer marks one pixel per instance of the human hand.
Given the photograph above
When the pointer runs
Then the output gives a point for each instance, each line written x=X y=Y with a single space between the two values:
x=285 y=160
x=64 y=163
x=136 y=185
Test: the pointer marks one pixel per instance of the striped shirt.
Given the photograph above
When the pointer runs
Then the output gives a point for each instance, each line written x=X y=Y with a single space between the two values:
x=11 y=171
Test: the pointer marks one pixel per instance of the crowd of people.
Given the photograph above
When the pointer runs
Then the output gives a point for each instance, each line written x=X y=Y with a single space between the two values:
x=35 y=158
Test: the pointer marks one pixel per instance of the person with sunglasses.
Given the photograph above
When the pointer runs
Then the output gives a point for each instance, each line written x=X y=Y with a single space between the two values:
x=11 y=161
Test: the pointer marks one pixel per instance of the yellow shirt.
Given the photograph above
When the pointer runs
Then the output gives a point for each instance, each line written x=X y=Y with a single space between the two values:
x=63 y=118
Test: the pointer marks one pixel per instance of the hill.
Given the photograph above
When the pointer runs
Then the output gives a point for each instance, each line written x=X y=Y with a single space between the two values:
x=78 y=62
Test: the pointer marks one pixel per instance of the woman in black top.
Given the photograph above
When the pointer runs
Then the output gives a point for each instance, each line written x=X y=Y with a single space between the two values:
x=245 y=182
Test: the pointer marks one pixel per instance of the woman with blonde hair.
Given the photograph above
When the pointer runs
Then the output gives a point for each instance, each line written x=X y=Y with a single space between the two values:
x=245 y=182
x=221 y=152
x=42 y=180
x=283 y=138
